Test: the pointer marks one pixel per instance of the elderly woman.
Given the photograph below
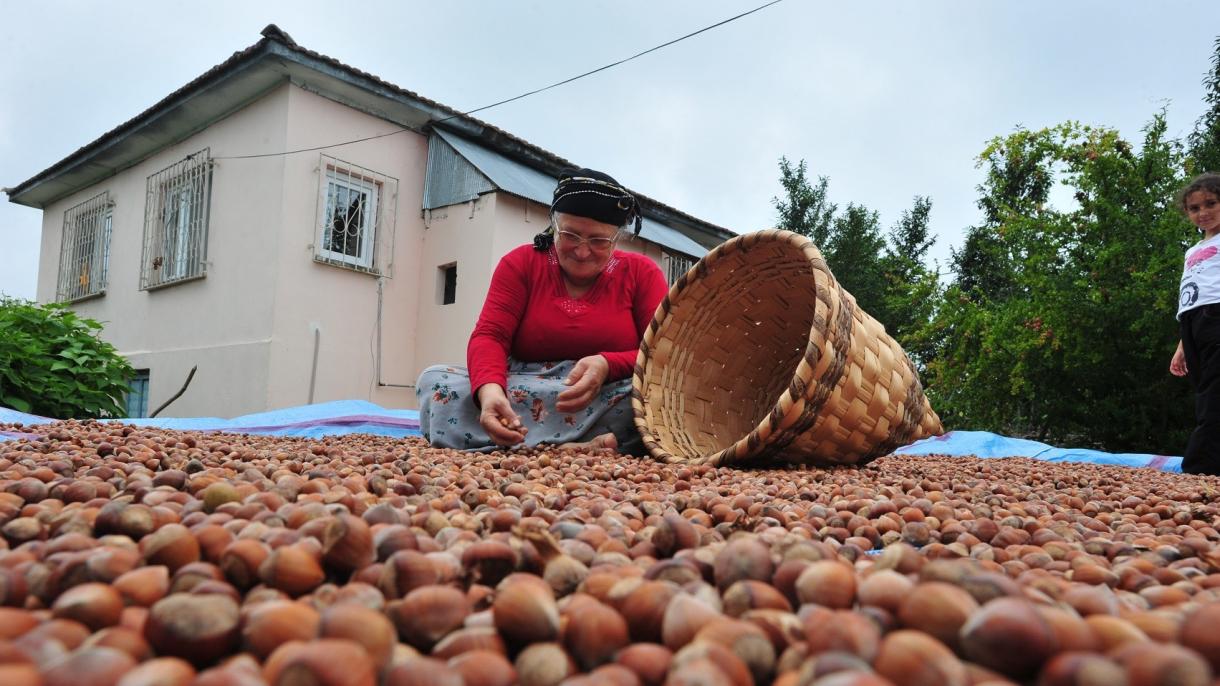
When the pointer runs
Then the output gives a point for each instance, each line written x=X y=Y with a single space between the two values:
x=550 y=359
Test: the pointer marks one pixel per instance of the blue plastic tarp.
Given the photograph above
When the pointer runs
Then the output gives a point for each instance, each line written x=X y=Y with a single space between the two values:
x=308 y=421
x=359 y=416
x=984 y=444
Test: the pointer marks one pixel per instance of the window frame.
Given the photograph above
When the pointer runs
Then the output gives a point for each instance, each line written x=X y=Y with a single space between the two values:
x=345 y=177
x=90 y=222
x=442 y=283
x=177 y=214
x=144 y=377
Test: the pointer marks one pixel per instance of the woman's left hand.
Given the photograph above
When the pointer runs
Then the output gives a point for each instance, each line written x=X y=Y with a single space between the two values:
x=584 y=382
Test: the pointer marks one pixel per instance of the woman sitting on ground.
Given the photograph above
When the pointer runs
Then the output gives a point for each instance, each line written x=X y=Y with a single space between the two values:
x=550 y=359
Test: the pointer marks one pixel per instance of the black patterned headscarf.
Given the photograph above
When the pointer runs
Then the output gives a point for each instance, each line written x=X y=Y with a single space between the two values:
x=592 y=194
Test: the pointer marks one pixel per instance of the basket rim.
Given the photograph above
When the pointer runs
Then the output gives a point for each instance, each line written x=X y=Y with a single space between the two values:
x=779 y=427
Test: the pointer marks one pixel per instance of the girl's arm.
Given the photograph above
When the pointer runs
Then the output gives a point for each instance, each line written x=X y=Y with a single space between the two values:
x=1177 y=365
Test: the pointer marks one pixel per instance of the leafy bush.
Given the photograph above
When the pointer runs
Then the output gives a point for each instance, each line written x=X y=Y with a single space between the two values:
x=53 y=363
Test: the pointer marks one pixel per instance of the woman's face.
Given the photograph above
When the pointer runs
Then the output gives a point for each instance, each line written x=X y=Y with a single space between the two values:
x=584 y=247
x=1203 y=208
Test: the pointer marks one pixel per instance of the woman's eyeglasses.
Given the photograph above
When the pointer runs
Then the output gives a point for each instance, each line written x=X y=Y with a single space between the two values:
x=572 y=241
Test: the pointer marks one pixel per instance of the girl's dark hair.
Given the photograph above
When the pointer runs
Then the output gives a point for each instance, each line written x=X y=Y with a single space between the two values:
x=1208 y=182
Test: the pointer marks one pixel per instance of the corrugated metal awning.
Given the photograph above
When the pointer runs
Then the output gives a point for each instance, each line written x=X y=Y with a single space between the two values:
x=526 y=182
x=507 y=175
x=671 y=238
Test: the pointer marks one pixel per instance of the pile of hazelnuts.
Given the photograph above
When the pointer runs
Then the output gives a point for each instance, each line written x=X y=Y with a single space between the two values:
x=139 y=557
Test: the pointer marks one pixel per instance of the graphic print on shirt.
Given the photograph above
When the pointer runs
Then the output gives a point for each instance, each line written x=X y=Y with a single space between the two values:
x=1201 y=256
x=1189 y=293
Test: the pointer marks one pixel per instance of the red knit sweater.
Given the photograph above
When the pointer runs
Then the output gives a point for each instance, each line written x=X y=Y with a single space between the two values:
x=529 y=315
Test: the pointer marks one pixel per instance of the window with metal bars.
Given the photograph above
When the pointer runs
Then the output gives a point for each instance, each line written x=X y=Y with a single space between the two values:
x=350 y=216
x=675 y=266
x=84 y=253
x=176 y=206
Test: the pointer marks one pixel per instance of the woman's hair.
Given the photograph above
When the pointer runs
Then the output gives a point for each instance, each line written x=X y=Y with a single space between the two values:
x=1208 y=182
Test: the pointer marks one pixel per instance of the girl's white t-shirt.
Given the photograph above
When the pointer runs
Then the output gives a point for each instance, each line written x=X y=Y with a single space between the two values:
x=1200 y=276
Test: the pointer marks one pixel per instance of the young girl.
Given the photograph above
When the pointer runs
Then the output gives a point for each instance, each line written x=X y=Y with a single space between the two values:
x=1198 y=352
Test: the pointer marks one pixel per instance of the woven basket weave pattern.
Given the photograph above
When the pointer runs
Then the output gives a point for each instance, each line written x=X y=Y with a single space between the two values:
x=758 y=353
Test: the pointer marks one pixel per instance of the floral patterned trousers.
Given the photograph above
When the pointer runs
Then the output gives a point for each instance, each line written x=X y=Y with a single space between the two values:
x=449 y=418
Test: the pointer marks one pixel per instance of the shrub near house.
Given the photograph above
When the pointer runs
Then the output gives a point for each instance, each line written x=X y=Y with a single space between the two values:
x=53 y=363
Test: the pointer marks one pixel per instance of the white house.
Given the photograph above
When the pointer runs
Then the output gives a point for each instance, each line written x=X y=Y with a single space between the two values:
x=326 y=273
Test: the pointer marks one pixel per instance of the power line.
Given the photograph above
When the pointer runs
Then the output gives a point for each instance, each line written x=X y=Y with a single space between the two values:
x=622 y=61
x=523 y=95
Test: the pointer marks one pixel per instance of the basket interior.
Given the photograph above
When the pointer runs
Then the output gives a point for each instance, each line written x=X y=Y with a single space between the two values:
x=729 y=348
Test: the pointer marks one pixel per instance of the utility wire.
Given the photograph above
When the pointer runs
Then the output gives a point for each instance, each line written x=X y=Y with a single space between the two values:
x=622 y=61
x=523 y=95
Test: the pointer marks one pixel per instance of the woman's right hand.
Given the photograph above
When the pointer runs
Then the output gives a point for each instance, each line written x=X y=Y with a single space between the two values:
x=497 y=417
x=1177 y=366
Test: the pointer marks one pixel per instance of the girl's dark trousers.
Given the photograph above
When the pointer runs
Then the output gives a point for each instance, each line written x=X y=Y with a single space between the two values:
x=1201 y=345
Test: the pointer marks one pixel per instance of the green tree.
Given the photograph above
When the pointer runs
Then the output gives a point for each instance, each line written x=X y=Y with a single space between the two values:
x=1058 y=324
x=1204 y=142
x=804 y=209
x=911 y=287
x=54 y=363
x=853 y=252
x=887 y=277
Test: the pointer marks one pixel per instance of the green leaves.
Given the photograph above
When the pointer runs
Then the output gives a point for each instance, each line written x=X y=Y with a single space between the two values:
x=1060 y=322
x=54 y=363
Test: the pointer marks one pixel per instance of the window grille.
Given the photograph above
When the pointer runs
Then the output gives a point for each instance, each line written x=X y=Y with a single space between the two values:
x=176 y=208
x=84 y=253
x=675 y=266
x=355 y=217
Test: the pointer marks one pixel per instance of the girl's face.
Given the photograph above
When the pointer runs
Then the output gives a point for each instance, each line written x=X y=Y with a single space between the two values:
x=1203 y=209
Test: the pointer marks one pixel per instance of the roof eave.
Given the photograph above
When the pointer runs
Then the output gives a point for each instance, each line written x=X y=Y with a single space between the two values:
x=250 y=74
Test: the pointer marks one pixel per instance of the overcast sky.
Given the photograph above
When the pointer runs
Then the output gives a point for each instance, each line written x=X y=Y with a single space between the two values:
x=889 y=99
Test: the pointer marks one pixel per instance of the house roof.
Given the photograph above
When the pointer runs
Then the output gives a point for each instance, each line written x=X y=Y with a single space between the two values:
x=526 y=182
x=249 y=74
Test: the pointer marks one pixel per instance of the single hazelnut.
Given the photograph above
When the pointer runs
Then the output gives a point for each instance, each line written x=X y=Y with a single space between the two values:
x=89 y=666
x=524 y=610
x=684 y=616
x=368 y=627
x=743 y=558
x=1009 y=636
x=543 y=664
x=121 y=638
x=691 y=666
x=143 y=586
x=484 y=668
x=746 y=641
x=293 y=569
x=644 y=608
x=267 y=626
x=469 y=638
x=172 y=545
x=750 y=594
x=939 y=609
x=828 y=583
x=428 y=614
x=649 y=661
x=594 y=634
x=321 y=662
x=423 y=671
x=913 y=658
x=198 y=628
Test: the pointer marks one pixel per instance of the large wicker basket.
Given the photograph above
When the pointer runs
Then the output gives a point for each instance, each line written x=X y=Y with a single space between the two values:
x=758 y=353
